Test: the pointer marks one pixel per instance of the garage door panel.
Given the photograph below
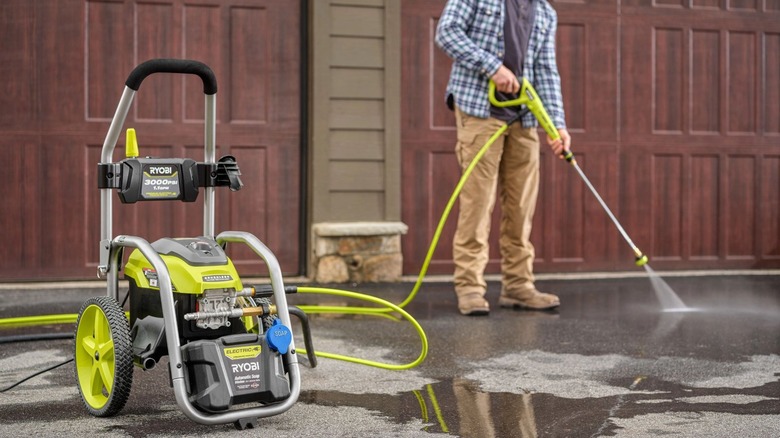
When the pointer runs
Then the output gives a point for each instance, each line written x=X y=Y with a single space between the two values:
x=109 y=59
x=16 y=63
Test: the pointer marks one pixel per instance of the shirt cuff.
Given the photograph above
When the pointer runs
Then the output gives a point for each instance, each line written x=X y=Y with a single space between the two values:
x=490 y=66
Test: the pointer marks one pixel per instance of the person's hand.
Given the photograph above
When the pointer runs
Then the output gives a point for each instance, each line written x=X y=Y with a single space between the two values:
x=506 y=81
x=560 y=145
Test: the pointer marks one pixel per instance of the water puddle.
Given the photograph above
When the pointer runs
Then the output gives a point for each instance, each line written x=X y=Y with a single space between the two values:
x=462 y=408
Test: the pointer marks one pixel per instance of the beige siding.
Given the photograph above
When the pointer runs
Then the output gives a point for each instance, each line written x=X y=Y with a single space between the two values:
x=357 y=115
x=368 y=175
x=353 y=83
x=356 y=21
x=357 y=145
x=354 y=123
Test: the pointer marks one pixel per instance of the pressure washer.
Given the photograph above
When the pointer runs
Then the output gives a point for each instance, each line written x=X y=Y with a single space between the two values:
x=230 y=347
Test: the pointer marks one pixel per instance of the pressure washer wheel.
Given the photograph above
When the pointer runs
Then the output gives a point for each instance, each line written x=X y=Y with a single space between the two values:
x=103 y=356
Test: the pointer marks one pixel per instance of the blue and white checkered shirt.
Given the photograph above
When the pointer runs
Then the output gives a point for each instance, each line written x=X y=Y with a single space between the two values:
x=471 y=33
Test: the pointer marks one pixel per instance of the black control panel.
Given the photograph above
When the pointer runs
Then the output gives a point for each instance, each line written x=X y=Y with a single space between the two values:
x=167 y=179
x=147 y=179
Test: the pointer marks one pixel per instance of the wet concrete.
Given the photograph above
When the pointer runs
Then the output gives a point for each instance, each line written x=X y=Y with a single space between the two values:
x=609 y=362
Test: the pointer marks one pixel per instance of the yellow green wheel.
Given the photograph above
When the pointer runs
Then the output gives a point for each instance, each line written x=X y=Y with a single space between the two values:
x=103 y=356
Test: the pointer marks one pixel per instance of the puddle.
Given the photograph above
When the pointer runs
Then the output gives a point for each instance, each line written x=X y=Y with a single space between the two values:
x=460 y=407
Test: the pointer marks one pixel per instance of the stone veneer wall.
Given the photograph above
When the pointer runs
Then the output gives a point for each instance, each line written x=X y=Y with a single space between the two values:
x=357 y=251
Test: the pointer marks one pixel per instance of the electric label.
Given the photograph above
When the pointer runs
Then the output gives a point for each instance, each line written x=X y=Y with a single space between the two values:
x=246 y=352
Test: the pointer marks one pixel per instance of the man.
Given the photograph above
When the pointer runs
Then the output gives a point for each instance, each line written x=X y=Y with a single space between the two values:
x=499 y=40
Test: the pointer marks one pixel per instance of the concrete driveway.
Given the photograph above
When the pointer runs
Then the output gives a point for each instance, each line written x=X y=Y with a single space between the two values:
x=609 y=362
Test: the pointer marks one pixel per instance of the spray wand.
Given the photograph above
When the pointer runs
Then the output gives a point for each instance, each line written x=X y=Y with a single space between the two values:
x=531 y=100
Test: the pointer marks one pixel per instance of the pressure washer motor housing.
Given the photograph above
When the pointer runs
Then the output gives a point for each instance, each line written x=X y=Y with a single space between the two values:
x=225 y=364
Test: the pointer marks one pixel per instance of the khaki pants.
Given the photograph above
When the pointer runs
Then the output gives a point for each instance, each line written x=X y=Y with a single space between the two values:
x=510 y=165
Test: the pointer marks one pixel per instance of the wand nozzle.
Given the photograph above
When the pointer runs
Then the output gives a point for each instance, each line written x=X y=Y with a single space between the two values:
x=641 y=259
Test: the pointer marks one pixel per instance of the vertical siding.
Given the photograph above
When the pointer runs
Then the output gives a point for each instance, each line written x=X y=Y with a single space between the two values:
x=355 y=111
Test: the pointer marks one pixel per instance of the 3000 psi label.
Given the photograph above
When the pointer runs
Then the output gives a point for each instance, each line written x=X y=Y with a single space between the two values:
x=160 y=182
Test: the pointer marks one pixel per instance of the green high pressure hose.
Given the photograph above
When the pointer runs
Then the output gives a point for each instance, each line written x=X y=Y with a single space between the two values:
x=391 y=307
x=375 y=311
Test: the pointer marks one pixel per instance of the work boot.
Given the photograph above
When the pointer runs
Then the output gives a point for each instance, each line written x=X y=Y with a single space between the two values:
x=473 y=304
x=529 y=299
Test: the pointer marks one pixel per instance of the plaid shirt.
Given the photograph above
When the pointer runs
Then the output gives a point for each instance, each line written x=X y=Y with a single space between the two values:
x=471 y=33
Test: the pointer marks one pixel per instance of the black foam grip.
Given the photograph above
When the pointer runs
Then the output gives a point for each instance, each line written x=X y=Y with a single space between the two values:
x=185 y=66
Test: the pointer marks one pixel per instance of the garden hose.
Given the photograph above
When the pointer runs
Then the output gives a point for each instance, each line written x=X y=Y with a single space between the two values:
x=27 y=321
x=360 y=310
x=431 y=248
x=389 y=307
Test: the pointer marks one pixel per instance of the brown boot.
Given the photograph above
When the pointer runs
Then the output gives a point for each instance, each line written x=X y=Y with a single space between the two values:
x=530 y=299
x=473 y=304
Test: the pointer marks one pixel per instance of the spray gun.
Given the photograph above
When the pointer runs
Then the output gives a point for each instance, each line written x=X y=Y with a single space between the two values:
x=531 y=100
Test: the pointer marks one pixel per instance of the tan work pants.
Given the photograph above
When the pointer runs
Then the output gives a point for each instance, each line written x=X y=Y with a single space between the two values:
x=511 y=164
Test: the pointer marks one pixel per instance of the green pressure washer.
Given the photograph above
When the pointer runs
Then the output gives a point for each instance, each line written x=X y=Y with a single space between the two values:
x=530 y=99
x=232 y=358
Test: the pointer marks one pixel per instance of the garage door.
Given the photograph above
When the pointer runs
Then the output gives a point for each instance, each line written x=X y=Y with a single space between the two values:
x=674 y=109
x=63 y=65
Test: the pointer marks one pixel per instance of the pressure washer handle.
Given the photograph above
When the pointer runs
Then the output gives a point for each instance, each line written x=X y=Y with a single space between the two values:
x=503 y=103
x=164 y=65
x=531 y=100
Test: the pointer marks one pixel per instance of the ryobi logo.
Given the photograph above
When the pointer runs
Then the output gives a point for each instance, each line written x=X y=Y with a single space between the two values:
x=161 y=170
x=245 y=367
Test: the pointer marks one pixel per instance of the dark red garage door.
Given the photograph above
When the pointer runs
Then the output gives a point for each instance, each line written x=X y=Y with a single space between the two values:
x=674 y=107
x=63 y=65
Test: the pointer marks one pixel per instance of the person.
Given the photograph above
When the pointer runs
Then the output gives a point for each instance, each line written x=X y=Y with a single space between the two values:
x=502 y=40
